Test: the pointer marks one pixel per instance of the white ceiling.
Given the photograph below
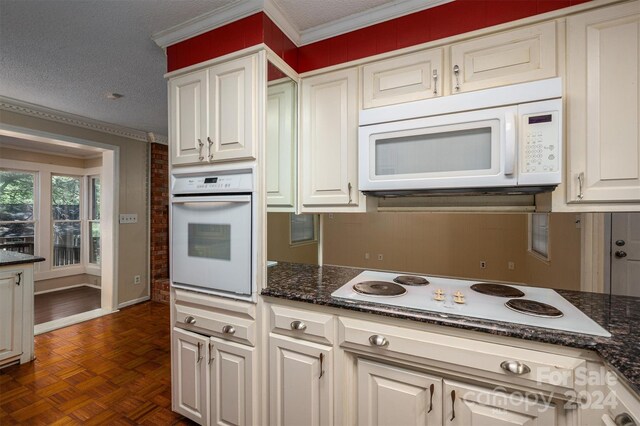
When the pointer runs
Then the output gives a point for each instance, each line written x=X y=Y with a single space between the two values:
x=68 y=54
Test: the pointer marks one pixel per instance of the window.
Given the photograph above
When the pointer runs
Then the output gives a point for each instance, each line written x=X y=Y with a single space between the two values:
x=65 y=212
x=94 y=220
x=539 y=234
x=17 y=219
x=303 y=229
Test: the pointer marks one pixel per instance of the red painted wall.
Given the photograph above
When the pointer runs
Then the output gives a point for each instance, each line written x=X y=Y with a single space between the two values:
x=439 y=22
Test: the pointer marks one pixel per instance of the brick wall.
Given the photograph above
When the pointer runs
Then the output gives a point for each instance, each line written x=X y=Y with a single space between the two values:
x=159 y=223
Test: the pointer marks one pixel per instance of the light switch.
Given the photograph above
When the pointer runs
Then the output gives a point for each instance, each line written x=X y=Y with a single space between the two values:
x=129 y=218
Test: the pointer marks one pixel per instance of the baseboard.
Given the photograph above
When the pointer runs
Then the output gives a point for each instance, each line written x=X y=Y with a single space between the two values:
x=66 y=288
x=133 y=302
x=70 y=320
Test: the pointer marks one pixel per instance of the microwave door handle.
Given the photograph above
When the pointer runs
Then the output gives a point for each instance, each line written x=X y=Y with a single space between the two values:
x=510 y=144
x=213 y=199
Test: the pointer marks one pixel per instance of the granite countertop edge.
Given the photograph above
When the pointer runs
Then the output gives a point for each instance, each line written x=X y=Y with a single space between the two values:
x=621 y=352
x=14 y=258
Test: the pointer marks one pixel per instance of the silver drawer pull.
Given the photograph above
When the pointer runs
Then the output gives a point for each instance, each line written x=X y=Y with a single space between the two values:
x=298 y=325
x=228 y=329
x=378 y=340
x=515 y=367
x=190 y=320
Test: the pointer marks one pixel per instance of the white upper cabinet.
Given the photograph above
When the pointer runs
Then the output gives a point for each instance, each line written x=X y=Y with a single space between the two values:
x=510 y=57
x=281 y=145
x=402 y=79
x=328 y=168
x=603 y=101
x=188 y=118
x=213 y=113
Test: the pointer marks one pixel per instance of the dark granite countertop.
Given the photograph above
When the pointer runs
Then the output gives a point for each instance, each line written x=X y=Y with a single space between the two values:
x=15 y=258
x=619 y=315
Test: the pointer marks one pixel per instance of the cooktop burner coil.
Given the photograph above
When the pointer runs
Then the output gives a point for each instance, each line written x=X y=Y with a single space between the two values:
x=500 y=290
x=379 y=288
x=410 y=280
x=532 y=307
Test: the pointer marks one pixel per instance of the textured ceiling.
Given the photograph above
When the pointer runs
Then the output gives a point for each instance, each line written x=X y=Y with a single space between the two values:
x=68 y=54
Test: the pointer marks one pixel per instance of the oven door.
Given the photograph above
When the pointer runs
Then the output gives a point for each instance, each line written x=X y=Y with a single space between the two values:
x=462 y=150
x=211 y=244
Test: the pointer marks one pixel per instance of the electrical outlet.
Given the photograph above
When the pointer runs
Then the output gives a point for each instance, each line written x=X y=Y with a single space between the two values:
x=128 y=218
x=330 y=215
x=511 y=265
x=136 y=279
x=483 y=264
x=366 y=256
x=380 y=257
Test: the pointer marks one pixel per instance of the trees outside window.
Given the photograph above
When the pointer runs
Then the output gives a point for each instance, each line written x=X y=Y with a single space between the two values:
x=66 y=220
x=17 y=204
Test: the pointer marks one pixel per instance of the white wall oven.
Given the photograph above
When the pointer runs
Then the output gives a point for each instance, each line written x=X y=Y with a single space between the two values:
x=494 y=139
x=212 y=232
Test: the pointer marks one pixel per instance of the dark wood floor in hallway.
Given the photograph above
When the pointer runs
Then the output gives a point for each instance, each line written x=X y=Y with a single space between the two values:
x=112 y=370
x=64 y=303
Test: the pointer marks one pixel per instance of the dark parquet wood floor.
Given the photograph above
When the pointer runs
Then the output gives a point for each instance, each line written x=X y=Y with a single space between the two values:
x=64 y=303
x=113 y=370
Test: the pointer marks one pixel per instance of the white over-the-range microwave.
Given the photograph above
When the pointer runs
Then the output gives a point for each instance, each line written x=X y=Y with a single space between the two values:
x=499 y=140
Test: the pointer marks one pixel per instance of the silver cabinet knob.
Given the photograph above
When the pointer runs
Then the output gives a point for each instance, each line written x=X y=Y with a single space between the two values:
x=298 y=325
x=515 y=367
x=620 y=243
x=620 y=254
x=624 y=420
x=378 y=340
x=228 y=329
x=190 y=320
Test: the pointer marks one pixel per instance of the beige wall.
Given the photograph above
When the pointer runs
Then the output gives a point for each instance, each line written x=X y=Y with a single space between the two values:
x=278 y=247
x=453 y=245
x=59 y=283
x=132 y=251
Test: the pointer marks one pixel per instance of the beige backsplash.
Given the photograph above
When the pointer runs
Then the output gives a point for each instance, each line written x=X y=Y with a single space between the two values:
x=448 y=244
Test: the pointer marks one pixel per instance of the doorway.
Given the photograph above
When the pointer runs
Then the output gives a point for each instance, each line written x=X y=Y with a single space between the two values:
x=72 y=226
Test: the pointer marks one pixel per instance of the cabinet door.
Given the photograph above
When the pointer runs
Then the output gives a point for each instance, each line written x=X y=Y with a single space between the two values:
x=394 y=396
x=232 y=368
x=188 y=118
x=470 y=405
x=328 y=144
x=603 y=103
x=280 y=146
x=402 y=79
x=189 y=375
x=301 y=380
x=10 y=314
x=232 y=109
x=505 y=58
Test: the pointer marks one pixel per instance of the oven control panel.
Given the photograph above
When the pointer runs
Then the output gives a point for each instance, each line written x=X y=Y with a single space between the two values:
x=212 y=183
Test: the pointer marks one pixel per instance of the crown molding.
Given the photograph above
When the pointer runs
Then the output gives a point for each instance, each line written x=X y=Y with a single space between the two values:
x=211 y=20
x=25 y=108
x=275 y=13
x=376 y=15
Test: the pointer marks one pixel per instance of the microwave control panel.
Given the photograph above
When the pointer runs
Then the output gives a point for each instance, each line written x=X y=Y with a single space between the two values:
x=540 y=141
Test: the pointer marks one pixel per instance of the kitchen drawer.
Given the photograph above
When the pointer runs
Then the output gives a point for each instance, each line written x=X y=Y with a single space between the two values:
x=548 y=371
x=216 y=323
x=302 y=324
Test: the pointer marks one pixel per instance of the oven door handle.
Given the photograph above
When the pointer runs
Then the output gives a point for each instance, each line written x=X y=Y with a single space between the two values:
x=213 y=199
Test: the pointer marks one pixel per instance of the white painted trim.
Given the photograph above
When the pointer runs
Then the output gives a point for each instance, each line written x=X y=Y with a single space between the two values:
x=133 y=302
x=66 y=288
x=207 y=22
x=366 y=18
x=70 y=320
x=276 y=14
x=20 y=107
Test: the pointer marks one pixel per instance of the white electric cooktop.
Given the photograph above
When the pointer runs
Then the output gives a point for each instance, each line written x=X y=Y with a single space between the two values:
x=457 y=298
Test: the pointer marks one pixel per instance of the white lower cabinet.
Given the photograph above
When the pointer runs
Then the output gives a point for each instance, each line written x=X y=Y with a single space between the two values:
x=11 y=314
x=393 y=396
x=301 y=382
x=471 y=405
x=232 y=367
x=189 y=375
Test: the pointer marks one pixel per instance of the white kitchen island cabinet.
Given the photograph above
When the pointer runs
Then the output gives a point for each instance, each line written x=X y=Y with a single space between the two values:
x=16 y=307
x=603 y=105
x=213 y=113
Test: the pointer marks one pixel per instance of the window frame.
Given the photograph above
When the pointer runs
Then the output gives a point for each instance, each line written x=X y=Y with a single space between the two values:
x=545 y=257
x=81 y=221
x=313 y=240
x=36 y=205
x=90 y=179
